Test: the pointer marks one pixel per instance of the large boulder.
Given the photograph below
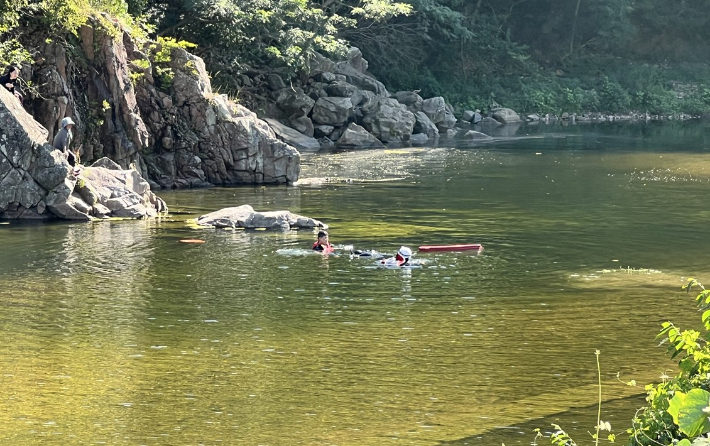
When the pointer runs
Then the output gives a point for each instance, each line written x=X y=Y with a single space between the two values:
x=294 y=138
x=303 y=124
x=411 y=99
x=424 y=125
x=356 y=137
x=435 y=109
x=293 y=102
x=332 y=111
x=345 y=90
x=245 y=217
x=124 y=192
x=447 y=123
x=505 y=115
x=388 y=120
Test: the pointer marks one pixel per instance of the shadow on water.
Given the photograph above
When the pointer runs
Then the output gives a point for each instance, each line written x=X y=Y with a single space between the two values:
x=580 y=420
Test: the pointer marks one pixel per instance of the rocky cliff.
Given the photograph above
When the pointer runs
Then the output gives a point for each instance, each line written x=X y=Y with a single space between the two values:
x=36 y=182
x=176 y=134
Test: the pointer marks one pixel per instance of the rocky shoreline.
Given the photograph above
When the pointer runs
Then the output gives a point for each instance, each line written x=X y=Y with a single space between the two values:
x=183 y=134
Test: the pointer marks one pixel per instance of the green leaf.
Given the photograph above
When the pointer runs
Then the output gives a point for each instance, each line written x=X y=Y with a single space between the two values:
x=684 y=442
x=687 y=410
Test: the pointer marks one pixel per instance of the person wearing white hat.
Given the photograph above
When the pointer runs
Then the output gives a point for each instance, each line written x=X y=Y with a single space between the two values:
x=63 y=140
x=400 y=259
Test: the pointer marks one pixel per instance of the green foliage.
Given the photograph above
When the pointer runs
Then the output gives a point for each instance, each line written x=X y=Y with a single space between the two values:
x=12 y=52
x=677 y=408
x=560 y=437
x=162 y=54
x=235 y=34
x=690 y=412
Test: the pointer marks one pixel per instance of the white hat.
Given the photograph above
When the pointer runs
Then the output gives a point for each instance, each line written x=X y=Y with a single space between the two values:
x=405 y=252
x=66 y=121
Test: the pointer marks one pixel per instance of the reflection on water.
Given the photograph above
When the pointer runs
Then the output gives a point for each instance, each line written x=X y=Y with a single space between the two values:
x=118 y=334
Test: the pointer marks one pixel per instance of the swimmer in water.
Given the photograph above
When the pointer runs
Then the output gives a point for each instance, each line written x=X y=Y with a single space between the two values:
x=400 y=259
x=322 y=244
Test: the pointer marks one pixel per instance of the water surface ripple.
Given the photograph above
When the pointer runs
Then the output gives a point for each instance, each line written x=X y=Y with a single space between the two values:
x=116 y=333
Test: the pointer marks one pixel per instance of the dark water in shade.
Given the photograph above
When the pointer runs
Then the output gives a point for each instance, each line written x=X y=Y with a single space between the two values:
x=116 y=333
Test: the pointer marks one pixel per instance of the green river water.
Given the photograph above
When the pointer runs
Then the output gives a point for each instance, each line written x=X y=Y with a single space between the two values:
x=116 y=333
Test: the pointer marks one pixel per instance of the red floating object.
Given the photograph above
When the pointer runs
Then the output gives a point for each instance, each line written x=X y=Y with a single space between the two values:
x=433 y=248
x=191 y=240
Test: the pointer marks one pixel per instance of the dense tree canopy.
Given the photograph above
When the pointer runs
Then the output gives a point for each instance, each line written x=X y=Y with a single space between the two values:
x=534 y=54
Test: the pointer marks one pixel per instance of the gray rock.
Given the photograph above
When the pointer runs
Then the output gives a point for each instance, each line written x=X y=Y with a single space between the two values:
x=488 y=121
x=106 y=163
x=368 y=98
x=332 y=111
x=325 y=77
x=245 y=217
x=388 y=120
x=303 y=124
x=354 y=71
x=418 y=139
x=356 y=137
x=326 y=143
x=467 y=115
x=322 y=130
x=345 y=90
x=61 y=203
x=49 y=168
x=79 y=204
x=124 y=192
x=100 y=211
x=412 y=100
x=246 y=80
x=435 y=109
x=294 y=138
x=424 y=125
x=472 y=134
x=293 y=102
x=534 y=117
x=355 y=60
x=275 y=82
x=505 y=115
x=447 y=123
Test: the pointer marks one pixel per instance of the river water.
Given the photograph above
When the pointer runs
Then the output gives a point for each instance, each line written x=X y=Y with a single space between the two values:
x=116 y=333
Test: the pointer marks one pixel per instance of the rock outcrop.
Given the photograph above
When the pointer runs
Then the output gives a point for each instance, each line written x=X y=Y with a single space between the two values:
x=337 y=95
x=246 y=217
x=37 y=183
x=173 y=129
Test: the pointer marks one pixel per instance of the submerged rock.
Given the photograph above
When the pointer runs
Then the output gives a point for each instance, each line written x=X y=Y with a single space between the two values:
x=246 y=217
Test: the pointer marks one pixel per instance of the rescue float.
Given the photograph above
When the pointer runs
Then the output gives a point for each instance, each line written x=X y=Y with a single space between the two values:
x=437 y=248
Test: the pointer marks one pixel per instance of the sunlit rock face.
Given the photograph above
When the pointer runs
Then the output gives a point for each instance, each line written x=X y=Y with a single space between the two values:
x=175 y=133
x=246 y=217
x=37 y=183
